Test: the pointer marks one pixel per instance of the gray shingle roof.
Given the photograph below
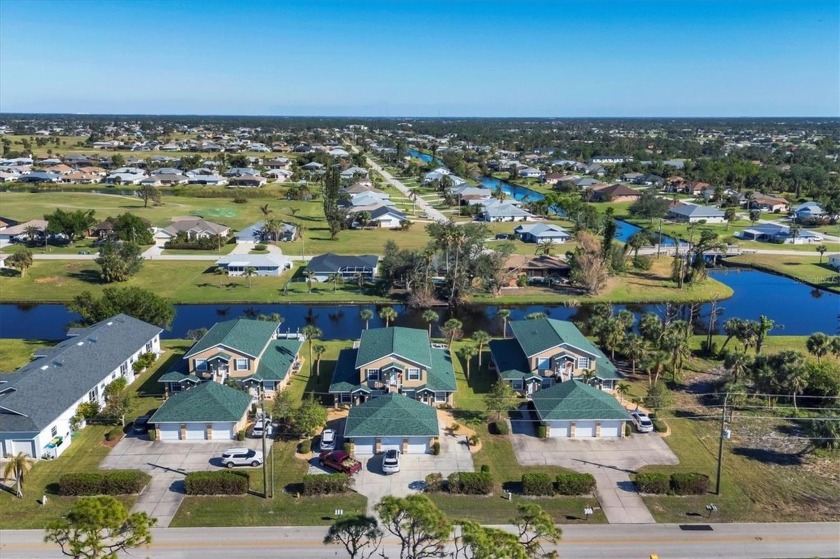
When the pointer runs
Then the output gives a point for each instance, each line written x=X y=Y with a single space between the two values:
x=575 y=400
x=37 y=393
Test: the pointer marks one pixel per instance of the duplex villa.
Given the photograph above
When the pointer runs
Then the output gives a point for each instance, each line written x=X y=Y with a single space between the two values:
x=39 y=401
x=545 y=361
x=253 y=354
x=393 y=378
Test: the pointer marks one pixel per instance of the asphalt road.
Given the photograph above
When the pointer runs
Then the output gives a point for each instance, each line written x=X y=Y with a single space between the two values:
x=423 y=204
x=669 y=541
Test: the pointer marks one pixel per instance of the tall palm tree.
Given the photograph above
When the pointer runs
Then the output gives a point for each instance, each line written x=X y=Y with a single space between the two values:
x=266 y=211
x=504 y=314
x=248 y=273
x=366 y=315
x=360 y=281
x=796 y=382
x=821 y=249
x=818 y=344
x=481 y=338
x=18 y=465
x=623 y=389
x=430 y=316
x=220 y=271
x=762 y=328
x=319 y=350
x=544 y=248
x=309 y=275
x=32 y=233
x=388 y=314
x=467 y=352
x=834 y=346
x=634 y=349
x=311 y=332
x=737 y=363
x=453 y=330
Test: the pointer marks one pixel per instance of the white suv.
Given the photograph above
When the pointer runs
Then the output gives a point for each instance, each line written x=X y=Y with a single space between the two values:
x=328 y=440
x=241 y=457
x=642 y=422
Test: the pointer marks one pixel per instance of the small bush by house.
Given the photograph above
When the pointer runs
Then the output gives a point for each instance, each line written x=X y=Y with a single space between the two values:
x=320 y=484
x=436 y=448
x=306 y=446
x=537 y=484
x=434 y=483
x=500 y=427
x=485 y=468
x=112 y=482
x=470 y=483
x=542 y=432
x=658 y=425
x=689 y=484
x=217 y=483
x=652 y=483
x=574 y=484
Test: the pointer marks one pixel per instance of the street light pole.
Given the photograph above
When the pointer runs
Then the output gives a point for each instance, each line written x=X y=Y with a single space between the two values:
x=720 y=443
x=262 y=419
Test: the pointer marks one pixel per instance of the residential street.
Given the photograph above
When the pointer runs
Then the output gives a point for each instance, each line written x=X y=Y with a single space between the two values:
x=423 y=204
x=669 y=541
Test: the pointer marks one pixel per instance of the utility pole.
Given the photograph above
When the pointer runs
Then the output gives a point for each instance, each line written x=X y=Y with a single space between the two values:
x=262 y=419
x=720 y=443
x=659 y=244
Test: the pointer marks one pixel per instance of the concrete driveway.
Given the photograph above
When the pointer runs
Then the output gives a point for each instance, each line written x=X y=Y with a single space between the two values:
x=372 y=483
x=167 y=463
x=610 y=461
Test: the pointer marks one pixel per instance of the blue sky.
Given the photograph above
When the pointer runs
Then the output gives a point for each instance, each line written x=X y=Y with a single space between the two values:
x=394 y=58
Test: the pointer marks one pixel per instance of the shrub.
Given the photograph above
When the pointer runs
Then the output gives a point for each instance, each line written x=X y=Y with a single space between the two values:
x=152 y=434
x=574 y=484
x=113 y=434
x=111 y=482
x=240 y=198
x=226 y=482
x=470 y=483
x=485 y=468
x=436 y=448
x=500 y=427
x=628 y=430
x=542 y=432
x=658 y=425
x=240 y=436
x=434 y=483
x=689 y=484
x=259 y=247
x=348 y=447
x=88 y=410
x=474 y=439
x=306 y=446
x=652 y=483
x=320 y=484
x=537 y=484
x=643 y=262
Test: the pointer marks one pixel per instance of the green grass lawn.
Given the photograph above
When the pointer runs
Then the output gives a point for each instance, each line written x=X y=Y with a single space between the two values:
x=16 y=353
x=802 y=268
x=84 y=454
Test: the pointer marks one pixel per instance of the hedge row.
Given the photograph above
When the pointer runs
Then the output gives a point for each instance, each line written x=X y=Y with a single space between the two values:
x=562 y=484
x=217 y=483
x=112 y=482
x=470 y=483
x=690 y=483
x=320 y=484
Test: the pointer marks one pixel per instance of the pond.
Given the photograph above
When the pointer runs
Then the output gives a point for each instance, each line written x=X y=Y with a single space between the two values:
x=798 y=309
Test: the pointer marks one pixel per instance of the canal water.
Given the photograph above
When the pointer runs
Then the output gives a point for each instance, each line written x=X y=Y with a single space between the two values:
x=797 y=308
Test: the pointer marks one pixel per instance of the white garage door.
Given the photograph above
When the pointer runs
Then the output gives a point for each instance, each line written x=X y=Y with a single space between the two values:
x=584 y=429
x=195 y=431
x=418 y=445
x=363 y=446
x=25 y=446
x=223 y=431
x=559 y=429
x=391 y=443
x=169 y=431
x=610 y=429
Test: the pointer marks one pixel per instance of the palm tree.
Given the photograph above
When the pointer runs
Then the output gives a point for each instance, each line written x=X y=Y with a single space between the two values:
x=834 y=346
x=763 y=327
x=481 y=338
x=545 y=247
x=467 y=352
x=32 y=233
x=452 y=330
x=731 y=328
x=536 y=316
x=360 y=281
x=18 y=465
x=821 y=249
x=266 y=211
x=504 y=314
x=430 y=316
x=737 y=363
x=634 y=349
x=623 y=389
x=818 y=344
x=249 y=271
x=309 y=275
x=220 y=271
x=589 y=377
x=796 y=382
x=366 y=315
x=319 y=350
x=21 y=260
x=363 y=218
x=388 y=314
x=311 y=332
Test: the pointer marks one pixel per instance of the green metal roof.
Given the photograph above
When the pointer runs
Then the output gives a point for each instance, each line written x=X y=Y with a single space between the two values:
x=345 y=375
x=178 y=376
x=604 y=369
x=575 y=400
x=411 y=344
x=246 y=336
x=391 y=415
x=209 y=401
x=536 y=336
x=277 y=359
x=221 y=355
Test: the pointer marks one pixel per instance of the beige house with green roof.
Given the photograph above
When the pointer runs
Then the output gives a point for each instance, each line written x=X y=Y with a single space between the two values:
x=545 y=352
x=394 y=360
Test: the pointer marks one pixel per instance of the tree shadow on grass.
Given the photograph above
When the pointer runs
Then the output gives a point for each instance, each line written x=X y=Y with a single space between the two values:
x=151 y=386
x=87 y=276
x=9 y=273
x=767 y=456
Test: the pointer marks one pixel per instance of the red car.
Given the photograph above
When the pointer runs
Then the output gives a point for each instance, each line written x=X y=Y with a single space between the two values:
x=339 y=461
